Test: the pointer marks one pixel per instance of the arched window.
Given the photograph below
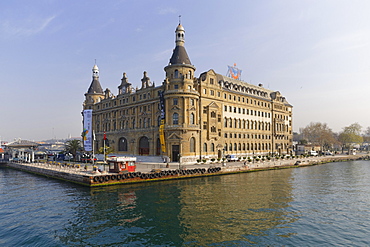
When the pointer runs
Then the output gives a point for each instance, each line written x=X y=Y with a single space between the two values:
x=176 y=74
x=205 y=147
x=192 y=144
x=192 y=121
x=225 y=147
x=225 y=122
x=235 y=147
x=239 y=146
x=122 y=144
x=212 y=147
x=139 y=123
x=231 y=147
x=175 y=118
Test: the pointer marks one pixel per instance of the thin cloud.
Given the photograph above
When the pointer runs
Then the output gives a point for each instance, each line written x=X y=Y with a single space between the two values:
x=35 y=26
x=353 y=40
x=163 y=55
x=167 y=10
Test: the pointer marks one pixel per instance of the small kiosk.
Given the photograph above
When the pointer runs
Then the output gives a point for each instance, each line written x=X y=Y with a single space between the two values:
x=121 y=164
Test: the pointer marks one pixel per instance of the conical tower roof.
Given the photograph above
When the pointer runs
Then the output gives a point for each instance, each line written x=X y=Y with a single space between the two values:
x=95 y=87
x=179 y=55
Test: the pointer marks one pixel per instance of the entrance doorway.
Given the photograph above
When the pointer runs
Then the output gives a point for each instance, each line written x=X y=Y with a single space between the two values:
x=219 y=154
x=144 y=146
x=175 y=153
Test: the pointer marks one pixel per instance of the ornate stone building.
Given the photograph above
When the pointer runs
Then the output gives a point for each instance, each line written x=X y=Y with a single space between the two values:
x=209 y=116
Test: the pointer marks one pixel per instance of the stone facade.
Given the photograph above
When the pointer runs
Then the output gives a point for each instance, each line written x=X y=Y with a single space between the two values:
x=210 y=116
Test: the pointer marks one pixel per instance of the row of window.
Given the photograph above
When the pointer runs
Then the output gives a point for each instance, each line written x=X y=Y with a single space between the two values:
x=247 y=136
x=245 y=89
x=177 y=74
x=246 y=124
x=238 y=146
x=246 y=111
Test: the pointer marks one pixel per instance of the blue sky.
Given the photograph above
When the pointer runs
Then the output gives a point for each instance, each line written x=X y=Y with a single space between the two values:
x=316 y=53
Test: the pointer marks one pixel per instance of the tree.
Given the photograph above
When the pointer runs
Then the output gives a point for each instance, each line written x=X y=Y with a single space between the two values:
x=366 y=135
x=319 y=134
x=108 y=150
x=73 y=146
x=351 y=135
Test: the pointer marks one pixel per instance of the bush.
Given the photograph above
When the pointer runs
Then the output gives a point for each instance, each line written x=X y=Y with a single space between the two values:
x=213 y=159
x=204 y=160
x=198 y=160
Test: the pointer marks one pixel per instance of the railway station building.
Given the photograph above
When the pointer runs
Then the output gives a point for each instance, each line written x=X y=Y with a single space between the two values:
x=189 y=117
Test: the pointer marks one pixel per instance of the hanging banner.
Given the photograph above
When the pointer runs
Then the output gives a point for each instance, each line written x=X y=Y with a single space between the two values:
x=87 y=132
x=163 y=117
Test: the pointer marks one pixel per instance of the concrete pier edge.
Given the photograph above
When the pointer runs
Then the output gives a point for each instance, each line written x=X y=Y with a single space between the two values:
x=86 y=178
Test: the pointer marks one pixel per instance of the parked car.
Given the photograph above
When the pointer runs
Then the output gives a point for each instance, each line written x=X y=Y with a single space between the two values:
x=313 y=153
x=231 y=157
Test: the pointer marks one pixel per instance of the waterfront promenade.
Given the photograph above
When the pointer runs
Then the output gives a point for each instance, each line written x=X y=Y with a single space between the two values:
x=85 y=174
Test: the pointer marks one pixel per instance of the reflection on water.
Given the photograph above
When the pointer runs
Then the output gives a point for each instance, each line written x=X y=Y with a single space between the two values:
x=232 y=208
x=313 y=206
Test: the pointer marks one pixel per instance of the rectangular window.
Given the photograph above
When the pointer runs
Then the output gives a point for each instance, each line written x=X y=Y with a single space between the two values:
x=211 y=81
x=175 y=101
x=176 y=86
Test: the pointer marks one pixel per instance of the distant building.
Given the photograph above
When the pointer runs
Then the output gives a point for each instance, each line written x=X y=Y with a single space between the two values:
x=188 y=117
x=306 y=148
x=22 y=150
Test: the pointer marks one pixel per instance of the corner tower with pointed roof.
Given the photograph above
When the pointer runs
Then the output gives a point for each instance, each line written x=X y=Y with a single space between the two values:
x=95 y=92
x=181 y=101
